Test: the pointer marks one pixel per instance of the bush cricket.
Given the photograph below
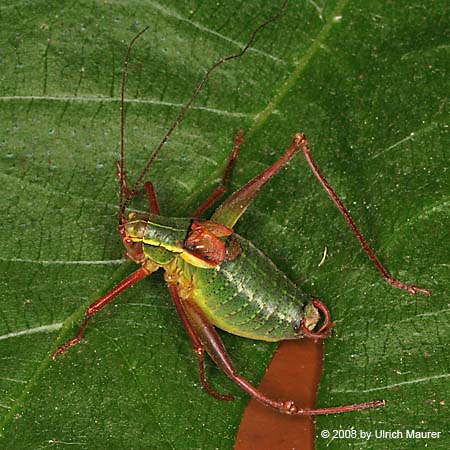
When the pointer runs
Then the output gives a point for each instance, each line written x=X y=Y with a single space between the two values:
x=217 y=278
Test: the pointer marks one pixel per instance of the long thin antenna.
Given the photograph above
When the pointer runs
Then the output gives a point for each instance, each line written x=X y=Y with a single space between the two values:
x=131 y=193
x=121 y=172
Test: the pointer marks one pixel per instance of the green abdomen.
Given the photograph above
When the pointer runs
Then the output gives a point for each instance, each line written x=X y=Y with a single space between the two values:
x=250 y=296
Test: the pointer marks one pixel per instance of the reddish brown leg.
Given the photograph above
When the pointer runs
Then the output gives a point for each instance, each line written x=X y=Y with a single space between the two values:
x=151 y=197
x=196 y=344
x=99 y=304
x=204 y=332
x=325 y=330
x=148 y=189
x=229 y=212
x=411 y=288
x=223 y=187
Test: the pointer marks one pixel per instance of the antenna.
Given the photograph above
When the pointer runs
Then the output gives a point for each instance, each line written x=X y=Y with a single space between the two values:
x=121 y=171
x=131 y=193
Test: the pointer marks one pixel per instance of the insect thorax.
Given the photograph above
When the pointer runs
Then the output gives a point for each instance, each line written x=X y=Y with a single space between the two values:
x=201 y=243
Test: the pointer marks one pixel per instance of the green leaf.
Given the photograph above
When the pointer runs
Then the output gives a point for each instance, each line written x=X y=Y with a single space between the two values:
x=367 y=82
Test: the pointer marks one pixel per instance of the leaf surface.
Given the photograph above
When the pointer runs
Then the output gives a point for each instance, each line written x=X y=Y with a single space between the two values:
x=368 y=84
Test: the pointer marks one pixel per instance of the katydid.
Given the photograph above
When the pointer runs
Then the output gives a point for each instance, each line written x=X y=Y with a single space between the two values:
x=217 y=278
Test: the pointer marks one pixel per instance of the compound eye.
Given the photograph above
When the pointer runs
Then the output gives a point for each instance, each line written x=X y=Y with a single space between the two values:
x=127 y=241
